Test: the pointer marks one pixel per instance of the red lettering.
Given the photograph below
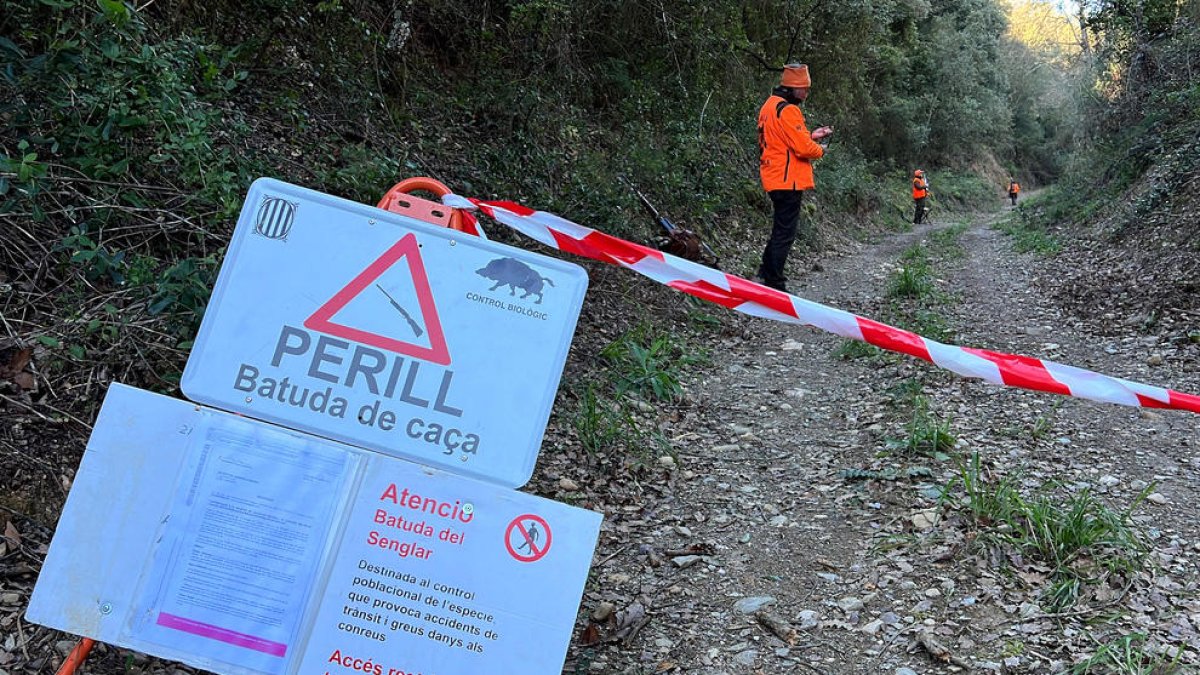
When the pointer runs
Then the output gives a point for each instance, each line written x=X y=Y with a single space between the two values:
x=390 y=493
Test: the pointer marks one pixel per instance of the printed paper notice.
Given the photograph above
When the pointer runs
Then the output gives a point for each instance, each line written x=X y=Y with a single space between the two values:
x=243 y=542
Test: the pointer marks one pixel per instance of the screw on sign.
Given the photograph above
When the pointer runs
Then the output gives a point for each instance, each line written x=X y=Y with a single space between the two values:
x=527 y=538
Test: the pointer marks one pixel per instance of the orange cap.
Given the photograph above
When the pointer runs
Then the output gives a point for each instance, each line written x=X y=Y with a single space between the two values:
x=795 y=75
x=918 y=172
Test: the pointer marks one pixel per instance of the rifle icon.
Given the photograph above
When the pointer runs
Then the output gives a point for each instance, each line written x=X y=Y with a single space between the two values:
x=407 y=317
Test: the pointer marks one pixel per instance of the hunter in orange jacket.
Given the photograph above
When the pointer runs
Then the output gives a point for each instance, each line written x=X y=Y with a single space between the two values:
x=786 y=147
x=920 y=192
x=785 y=166
x=1014 y=189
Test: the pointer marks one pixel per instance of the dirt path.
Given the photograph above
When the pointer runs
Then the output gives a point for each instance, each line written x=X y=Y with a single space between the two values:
x=874 y=573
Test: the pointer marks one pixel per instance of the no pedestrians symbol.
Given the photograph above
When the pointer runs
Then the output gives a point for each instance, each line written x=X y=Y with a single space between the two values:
x=527 y=538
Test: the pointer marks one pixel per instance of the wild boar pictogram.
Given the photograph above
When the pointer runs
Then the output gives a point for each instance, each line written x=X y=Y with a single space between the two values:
x=514 y=274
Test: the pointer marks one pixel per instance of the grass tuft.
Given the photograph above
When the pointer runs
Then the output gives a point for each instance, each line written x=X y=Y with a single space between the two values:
x=1128 y=655
x=1076 y=536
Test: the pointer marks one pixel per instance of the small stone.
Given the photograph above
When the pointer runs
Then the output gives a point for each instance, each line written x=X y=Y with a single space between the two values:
x=747 y=657
x=792 y=346
x=603 y=611
x=1109 y=481
x=889 y=618
x=10 y=598
x=873 y=627
x=850 y=604
x=905 y=671
x=64 y=647
x=567 y=485
x=927 y=519
x=683 y=530
x=1155 y=360
x=663 y=642
x=933 y=593
x=807 y=619
x=685 y=561
x=752 y=604
x=828 y=576
x=1156 y=498
x=778 y=521
x=666 y=461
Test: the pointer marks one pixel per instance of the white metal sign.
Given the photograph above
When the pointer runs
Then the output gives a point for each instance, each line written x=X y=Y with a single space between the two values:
x=439 y=575
x=247 y=549
x=382 y=331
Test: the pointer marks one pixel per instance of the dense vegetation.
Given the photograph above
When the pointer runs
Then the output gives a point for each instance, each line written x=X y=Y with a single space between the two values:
x=539 y=100
x=130 y=135
x=1126 y=202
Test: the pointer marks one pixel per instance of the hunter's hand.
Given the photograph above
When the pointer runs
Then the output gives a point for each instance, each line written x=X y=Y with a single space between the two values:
x=821 y=132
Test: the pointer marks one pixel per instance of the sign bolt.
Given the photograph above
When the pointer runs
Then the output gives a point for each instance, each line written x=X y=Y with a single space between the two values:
x=106 y=608
x=468 y=508
x=371 y=221
x=248 y=399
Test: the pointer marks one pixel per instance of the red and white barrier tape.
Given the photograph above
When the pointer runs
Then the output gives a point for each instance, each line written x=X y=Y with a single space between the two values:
x=757 y=300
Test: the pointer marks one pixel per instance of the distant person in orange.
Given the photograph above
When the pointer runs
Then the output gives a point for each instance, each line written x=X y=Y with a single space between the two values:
x=1014 y=189
x=920 y=193
x=787 y=150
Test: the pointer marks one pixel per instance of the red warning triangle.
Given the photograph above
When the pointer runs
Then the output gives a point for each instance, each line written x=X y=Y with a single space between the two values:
x=437 y=351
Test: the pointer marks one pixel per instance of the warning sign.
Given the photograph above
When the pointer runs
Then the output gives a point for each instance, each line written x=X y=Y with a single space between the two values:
x=352 y=323
x=528 y=538
x=428 y=327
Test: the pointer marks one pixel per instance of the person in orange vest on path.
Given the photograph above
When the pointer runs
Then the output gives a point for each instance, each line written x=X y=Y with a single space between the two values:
x=1014 y=189
x=787 y=150
x=920 y=192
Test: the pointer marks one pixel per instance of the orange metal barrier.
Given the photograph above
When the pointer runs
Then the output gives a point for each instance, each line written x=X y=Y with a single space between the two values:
x=399 y=199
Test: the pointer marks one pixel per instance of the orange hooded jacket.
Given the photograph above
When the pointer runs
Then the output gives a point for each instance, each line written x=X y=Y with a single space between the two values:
x=920 y=187
x=786 y=147
x=1014 y=187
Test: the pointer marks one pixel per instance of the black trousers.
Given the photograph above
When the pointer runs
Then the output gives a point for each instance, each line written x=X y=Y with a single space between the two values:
x=1013 y=197
x=783 y=234
x=920 y=213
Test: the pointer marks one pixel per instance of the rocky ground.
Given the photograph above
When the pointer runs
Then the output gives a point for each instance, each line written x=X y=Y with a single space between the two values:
x=791 y=535
x=795 y=523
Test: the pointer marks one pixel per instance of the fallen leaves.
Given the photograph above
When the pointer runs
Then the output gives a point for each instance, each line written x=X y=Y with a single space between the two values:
x=15 y=369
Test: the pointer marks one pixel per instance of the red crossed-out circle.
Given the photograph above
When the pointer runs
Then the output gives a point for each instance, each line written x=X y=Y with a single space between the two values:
x=521 y=527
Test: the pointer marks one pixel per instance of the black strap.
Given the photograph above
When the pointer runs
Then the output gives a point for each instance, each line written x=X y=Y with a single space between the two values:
x=779 y=108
